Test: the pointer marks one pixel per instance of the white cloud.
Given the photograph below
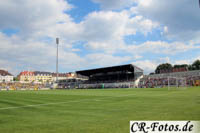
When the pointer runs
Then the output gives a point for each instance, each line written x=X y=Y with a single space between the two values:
x=180 y=18
x=137 y=57
x=107 y=47
x=105 y=30
x=107 y=25
x=32 y=17
x=17 y=55
x=161 y=47
x=114 y=4
x=102 y=32
x=29 y=54
x=183 y=61
x=150 y=65
x=164 y=60
x=41 y=20
x=186 y=61
x=100 y=59
x=147 y=65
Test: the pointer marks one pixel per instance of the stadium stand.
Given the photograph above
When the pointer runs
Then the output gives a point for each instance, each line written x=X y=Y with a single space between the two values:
x=123 y=76
x=160 y=80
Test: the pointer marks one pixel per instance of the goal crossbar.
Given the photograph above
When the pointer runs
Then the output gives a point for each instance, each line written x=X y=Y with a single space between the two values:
x=177 y=82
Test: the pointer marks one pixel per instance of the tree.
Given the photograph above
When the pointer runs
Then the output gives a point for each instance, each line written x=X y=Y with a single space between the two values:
x=196 y=65
x=151 y=73
x=190 y=68
x=168 y=67
x=40 y=80
x=16 y=79
x=181 y=66
x=165 y=67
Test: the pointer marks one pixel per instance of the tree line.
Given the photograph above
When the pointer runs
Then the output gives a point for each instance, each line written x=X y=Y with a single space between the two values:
x=167 y=66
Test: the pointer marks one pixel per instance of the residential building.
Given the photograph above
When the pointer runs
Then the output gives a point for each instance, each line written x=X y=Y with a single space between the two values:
x=61 y=76
x=5 y=76
x=43 y=77
x=27 y=76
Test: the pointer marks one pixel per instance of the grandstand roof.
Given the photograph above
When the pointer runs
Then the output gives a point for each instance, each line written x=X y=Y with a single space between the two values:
x=128 y=67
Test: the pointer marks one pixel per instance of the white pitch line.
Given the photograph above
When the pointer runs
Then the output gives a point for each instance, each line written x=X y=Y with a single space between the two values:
x=45 y=104
x=35 y=105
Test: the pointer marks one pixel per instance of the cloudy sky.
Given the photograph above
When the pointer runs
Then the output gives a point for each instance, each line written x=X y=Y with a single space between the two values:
x=97 y=33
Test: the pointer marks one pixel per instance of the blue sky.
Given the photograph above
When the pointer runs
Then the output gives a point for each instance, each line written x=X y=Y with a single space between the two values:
x=81 y=9
x=97 y=33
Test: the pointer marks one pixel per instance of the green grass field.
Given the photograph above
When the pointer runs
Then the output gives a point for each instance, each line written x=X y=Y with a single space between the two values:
x=93 y=111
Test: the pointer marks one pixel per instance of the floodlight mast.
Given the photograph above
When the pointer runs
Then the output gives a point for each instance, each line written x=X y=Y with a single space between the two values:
x=57 y=42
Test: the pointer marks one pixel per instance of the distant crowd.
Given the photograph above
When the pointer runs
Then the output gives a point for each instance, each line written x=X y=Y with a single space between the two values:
x=151 y=82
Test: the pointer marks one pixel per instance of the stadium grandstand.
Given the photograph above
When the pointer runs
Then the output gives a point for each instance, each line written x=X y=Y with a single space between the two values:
x=112 y=74
x=123 y=76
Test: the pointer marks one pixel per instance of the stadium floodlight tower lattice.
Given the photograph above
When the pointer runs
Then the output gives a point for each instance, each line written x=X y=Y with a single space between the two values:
x=57 y=42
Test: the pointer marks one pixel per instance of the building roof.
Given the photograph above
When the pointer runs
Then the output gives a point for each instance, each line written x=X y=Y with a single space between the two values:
x=59 y=74
x=128 y=67
x=42 y=73
x=5 y=73
x=34 y=73
x=27 y=73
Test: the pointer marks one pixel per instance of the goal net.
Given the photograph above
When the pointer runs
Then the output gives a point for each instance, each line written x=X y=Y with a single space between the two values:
x=176 y=83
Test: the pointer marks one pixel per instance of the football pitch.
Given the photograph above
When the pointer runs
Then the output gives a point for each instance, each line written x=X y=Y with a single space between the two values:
x=94 y=110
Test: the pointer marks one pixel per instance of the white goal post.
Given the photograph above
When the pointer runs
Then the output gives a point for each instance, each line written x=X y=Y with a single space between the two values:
x=177 y=82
